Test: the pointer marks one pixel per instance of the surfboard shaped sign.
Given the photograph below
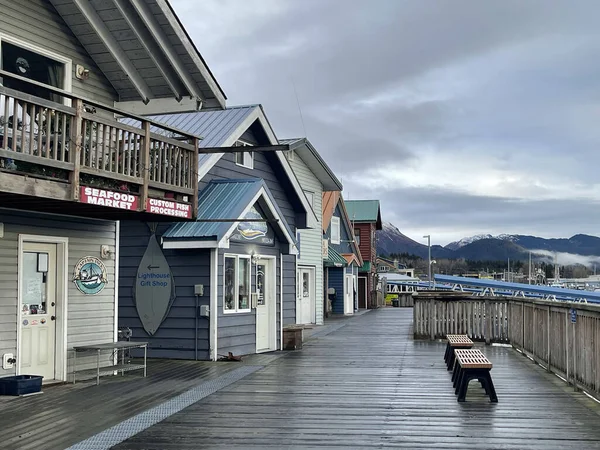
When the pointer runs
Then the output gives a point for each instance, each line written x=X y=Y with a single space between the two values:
x=154 y=287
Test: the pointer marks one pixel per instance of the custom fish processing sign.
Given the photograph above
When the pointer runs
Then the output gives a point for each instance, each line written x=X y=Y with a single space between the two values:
x=154 y=287
x=90 y=275
x=258 y=232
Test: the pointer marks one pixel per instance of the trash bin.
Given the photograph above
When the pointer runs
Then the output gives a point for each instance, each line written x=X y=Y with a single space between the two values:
x=20 y=384
x=395 y=302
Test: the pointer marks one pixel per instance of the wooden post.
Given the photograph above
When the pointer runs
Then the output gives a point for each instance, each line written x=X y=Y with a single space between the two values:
x=548 y=340
x=432 y=319
x=567 y=343
x=75 y=148
x=534 y=333
x=575 y=387
x=488 y=322
x=194 y=175
x=145 y=166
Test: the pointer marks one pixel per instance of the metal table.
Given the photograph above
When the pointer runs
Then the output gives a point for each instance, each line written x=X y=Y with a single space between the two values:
x=120 y=346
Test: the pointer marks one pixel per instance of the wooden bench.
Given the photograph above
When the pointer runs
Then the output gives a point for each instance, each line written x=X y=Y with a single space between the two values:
x=472 y=365
x=455 y=341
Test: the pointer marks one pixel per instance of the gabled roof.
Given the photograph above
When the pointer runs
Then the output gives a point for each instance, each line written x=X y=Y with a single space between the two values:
x=223 y=129
x=305 y=150
x=364 y=211
x=143 y=50
x=330 y=201
x=226 y=199
x=334 y=259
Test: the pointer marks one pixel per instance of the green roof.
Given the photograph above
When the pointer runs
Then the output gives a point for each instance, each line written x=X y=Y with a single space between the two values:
x=366 y=267
x=364 y=211
x=334 y=259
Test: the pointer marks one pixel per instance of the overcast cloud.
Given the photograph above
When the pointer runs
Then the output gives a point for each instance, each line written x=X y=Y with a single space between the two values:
x=462 y=117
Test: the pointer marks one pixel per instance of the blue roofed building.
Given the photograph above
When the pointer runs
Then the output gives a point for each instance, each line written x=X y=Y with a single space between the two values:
x=227 y=281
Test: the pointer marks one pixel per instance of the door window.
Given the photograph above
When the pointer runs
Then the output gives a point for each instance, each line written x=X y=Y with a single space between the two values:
x=260 y=283
x=35 y=272
x=305 y=284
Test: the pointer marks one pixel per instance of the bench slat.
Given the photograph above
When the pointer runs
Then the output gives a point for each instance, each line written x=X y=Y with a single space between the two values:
x=472 y=359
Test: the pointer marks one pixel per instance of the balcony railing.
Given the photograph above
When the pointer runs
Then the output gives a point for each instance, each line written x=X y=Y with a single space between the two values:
x=85 y=143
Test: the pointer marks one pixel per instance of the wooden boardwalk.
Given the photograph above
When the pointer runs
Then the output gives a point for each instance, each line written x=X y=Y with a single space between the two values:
x=369 y=385
x=365 y=385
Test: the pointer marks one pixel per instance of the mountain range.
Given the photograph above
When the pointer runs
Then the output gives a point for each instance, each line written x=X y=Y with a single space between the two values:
x=486 y=247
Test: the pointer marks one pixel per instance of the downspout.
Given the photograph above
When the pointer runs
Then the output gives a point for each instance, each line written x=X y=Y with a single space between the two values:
x=281 y=301
x=196 y=314
x=214 y=310
x=117 y=256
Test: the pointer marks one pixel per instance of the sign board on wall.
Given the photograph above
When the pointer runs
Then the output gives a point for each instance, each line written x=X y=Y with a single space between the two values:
x=256 y=232
x=169 y=208
x=111 y=199
x=90 y=275
x=154 y=290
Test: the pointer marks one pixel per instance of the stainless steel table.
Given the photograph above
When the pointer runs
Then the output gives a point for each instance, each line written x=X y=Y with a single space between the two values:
x=120 y=346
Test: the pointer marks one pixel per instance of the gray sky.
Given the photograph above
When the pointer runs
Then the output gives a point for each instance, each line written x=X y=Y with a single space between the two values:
x=462 y=117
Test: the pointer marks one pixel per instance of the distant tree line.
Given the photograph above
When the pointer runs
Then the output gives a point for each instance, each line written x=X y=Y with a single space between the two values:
x=466 y=266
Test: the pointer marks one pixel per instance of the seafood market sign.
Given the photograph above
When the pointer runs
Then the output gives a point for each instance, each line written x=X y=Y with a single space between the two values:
x=90 y=275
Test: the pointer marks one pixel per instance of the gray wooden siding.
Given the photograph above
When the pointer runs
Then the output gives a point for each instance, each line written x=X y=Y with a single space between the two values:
x=90 y=317
x=37 y=22
x=175 y=338
x=311 y=240
x=237 y=331
x=268 y=168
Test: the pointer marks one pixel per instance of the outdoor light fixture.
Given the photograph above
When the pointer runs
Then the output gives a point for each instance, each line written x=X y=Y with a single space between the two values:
x=428 y=259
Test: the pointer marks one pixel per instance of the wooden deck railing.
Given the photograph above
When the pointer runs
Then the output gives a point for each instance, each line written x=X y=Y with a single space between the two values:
x=83 y=139
x=562 y=337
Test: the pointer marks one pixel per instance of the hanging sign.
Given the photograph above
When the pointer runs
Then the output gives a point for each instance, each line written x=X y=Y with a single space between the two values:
x=90 y=275
x=102 y=197
x=258 y=232
x=154 y=287
x=169 y=208
x=573 y=313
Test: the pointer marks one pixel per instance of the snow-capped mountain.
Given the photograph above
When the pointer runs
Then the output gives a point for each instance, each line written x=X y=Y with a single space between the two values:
x=469 y=240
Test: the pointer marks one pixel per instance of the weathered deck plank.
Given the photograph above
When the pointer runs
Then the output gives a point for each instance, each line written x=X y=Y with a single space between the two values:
x=369 y=385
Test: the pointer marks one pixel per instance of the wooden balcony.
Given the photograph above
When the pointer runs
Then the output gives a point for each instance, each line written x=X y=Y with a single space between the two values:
x=76 y=156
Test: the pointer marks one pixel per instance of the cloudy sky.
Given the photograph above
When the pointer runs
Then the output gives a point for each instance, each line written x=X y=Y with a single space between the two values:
x=462 y=117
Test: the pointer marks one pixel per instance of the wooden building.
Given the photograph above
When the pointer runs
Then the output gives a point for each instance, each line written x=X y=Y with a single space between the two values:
x=342 y=257
x=365 y=216
x=69 y=171
x=230 y=276
x=314 y=176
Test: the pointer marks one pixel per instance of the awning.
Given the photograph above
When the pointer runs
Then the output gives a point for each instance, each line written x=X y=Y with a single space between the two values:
x=334 y=259
x=222 y=205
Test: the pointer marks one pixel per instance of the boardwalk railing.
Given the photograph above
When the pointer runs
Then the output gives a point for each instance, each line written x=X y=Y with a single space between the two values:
x=562 y=337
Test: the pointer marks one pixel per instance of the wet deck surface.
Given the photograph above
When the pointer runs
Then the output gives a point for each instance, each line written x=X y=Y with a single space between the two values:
x=369 y=385
x=366 y=384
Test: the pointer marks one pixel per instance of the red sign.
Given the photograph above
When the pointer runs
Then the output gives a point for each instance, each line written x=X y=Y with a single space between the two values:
x=169 y=208
x=101 y=197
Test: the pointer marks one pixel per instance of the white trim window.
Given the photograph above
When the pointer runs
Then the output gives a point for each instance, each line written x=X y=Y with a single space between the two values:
x=244 y=159
x=236 y=283
x=335 y=230
x=357 y=236
x=39 y=64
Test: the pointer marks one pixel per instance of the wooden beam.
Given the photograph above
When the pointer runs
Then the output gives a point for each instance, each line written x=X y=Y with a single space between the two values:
x=237 y=220
x=165 y=45
x=248 y=148
x=154 y=50
x=194 y=176
x=75 y=153
x=114 y=48
x=145 y=166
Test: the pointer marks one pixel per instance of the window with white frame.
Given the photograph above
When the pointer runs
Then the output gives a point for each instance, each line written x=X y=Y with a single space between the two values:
x=335 y=230
x=244 y=159
x=357 y=236
x=28 y=61
x=236 y=285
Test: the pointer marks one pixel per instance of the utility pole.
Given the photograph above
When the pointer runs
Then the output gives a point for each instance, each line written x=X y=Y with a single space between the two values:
x=529 y=268
x=428 y=259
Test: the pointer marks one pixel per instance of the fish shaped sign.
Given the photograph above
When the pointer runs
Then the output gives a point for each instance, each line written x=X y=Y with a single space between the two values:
x=154 y=287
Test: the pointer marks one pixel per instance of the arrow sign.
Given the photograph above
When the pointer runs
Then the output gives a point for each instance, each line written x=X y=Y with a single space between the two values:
x=153 y=267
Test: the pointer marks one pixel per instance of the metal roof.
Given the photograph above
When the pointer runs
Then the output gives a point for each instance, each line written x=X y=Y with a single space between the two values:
x=311 y=157
x=334 y=259
x=214 y=127
x=559 y=293
x=223 y=199
x=364 y=211
x=142 y=48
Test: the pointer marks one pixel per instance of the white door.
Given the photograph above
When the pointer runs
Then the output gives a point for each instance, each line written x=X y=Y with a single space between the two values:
x=265 y=316
x=349 y=295
x=305 y=306
x=38 y=310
